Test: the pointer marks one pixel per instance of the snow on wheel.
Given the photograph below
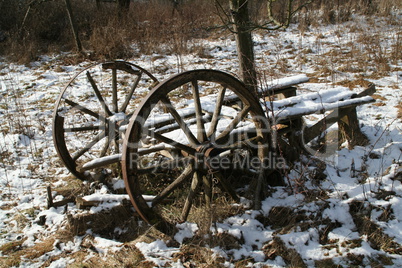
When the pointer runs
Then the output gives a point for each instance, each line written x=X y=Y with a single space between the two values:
x=194 y=148
x=92 y=112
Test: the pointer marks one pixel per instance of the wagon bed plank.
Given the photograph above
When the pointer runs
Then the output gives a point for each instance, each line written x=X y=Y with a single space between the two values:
x=333 y=117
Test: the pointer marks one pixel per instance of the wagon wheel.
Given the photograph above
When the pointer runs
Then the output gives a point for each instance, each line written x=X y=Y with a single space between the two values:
x=189 y=149
x=92 y=112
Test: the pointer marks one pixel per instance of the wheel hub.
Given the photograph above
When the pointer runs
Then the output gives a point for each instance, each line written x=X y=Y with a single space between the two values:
x=209 y=150
x=205 y=154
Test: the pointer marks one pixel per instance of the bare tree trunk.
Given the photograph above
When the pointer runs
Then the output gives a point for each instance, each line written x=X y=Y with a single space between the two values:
x=244 y=42
x=73 y=27
x=123 y=6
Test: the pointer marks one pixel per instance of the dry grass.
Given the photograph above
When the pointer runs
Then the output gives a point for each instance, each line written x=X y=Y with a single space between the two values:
x=197 y=256
x=399 y=107
x=16 y=252
x=105 y=223
x=354 y=83
x=152 y=27
x=127 y=256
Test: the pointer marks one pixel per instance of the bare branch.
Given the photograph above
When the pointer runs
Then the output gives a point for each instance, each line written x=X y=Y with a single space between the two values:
x=271 y=24
x=227 y=22
x=291 y=11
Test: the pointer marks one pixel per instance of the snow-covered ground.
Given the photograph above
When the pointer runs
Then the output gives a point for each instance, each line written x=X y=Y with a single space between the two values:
x=352 y=217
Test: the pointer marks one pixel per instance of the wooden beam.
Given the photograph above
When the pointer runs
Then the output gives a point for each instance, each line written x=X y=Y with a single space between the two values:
x=335 y=116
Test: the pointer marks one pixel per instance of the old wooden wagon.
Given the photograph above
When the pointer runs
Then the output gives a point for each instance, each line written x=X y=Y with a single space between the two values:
x=197 y=146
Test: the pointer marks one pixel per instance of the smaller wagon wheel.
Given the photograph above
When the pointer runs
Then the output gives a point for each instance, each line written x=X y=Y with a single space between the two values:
x=195 y=146
x=93 y=111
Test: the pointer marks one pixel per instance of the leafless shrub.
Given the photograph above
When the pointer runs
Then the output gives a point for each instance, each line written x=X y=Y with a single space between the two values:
x=109 y=42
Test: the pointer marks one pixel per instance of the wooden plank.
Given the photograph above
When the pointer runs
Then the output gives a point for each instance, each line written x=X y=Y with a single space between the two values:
x=342 y=105
x=349 y=130
x=82 y=203
x=286 y=91
x=319 y=127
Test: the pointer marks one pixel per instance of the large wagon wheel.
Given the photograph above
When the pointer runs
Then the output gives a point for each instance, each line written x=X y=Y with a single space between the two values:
x=93 y=110
x=191 y=147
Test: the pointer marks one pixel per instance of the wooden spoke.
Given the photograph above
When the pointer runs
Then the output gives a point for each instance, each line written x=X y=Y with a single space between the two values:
x=113 y=136
x=187 y=173
x=114 y=90
x=169 y=141
x=195 y=184
x=201 y=135
x=226 y=185
x=176 y=144
x=84 y=110
x=239 y=117
x=168 y=105
x=207 y=181
x=94 y=141
x=217 y=111
x=82 y=129
x=130 y=94
x=98 y=94
x=168 y=128
x=116 y=142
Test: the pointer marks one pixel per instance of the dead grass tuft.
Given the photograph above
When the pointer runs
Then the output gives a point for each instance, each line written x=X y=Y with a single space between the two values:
x=361 y=213
x=72 y=188
x=105 y=223
x=326 y=263
x=16 y=252
x=110 y=42
x=277 y=248
x=399 y=107
x=10 y=261
x=280 y=217
x=127 y=256
x=39 y=249
x=197 y=256
x=12 y=247
x=150 y=234
x=360 y=82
